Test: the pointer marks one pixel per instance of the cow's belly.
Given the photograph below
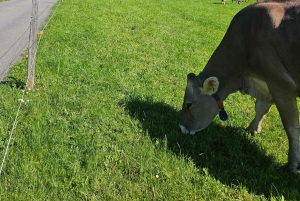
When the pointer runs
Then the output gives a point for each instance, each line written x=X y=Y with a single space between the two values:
x=256 y=88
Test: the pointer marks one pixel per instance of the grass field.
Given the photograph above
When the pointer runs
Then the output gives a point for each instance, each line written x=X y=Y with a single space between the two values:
x=102 y=120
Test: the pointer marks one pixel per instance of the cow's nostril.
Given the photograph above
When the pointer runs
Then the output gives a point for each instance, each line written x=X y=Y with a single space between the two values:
x=179 y=130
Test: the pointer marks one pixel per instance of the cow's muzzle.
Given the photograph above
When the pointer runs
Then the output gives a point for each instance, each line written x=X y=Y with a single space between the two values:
x=183 y=130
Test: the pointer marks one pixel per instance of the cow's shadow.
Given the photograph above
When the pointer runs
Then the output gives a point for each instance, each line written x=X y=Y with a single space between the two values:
x=228 y=154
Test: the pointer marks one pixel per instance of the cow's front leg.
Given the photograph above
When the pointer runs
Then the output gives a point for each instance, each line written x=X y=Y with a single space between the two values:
x=261 y=108
x=289 y=114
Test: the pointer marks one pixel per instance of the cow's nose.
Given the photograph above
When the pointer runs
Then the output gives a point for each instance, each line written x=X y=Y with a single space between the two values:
x=179 y=130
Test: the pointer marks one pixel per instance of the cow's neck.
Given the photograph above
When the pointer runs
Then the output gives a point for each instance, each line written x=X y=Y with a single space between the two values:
x=230 y=79
x=229 y=87
x=228 y=63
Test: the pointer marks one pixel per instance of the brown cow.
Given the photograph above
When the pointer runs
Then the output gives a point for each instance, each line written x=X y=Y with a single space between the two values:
x=260 y=56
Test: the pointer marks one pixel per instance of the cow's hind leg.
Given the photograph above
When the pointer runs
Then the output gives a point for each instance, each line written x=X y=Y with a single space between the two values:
x=288 y=110
x=261 y=108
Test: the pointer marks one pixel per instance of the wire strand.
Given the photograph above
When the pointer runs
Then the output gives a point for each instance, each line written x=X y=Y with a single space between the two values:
x=18 y=50
x=22 y=99
x=11 y=133
x=14 y=55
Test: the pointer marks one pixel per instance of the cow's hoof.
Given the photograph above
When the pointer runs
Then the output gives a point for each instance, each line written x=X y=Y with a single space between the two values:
x=253 y=131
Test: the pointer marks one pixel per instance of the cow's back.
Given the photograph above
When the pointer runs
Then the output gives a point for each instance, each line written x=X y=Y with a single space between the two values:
x=269 y=31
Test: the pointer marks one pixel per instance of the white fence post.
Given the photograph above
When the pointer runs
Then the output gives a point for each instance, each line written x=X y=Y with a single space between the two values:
x=32 y=45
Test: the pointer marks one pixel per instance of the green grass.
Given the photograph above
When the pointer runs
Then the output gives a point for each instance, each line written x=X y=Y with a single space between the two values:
x=102 y=120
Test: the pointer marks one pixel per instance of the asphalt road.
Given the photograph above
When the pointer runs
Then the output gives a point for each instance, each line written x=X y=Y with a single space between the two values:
x=15 y=16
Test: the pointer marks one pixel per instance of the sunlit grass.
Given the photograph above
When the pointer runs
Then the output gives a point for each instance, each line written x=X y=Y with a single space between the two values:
x=101 y=122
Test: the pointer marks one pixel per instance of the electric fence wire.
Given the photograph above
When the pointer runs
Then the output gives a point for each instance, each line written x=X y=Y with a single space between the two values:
x=14 y=55
x=23 y=94
x=18 y=51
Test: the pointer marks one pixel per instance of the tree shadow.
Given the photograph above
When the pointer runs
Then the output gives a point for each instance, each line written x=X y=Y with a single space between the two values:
x=228 y=154
x=13 y=83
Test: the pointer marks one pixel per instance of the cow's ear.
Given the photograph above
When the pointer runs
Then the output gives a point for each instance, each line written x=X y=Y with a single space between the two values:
x=210 y=85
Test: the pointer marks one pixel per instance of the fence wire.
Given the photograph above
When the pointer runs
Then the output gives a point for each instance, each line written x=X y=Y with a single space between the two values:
x=19 y=49
x=21 y=101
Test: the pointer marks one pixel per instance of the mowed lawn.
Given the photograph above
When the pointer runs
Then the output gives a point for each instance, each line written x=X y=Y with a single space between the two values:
x=102 y=120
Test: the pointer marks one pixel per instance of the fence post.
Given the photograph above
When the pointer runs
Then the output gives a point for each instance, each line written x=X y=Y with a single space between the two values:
x=32 y=45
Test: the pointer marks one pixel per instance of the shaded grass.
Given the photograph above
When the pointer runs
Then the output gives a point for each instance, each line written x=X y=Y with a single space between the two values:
x=101 y=123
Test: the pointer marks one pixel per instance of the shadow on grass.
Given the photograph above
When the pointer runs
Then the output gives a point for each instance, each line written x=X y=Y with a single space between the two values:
x=229 y=154
x=14 y=83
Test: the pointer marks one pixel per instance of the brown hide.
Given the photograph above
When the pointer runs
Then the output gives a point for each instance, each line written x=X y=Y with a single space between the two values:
x=260 y=56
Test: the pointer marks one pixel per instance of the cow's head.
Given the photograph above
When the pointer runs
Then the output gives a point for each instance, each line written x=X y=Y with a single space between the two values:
x=199 y=107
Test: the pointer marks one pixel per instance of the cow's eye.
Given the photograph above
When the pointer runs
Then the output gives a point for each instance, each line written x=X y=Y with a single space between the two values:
x=188 y=105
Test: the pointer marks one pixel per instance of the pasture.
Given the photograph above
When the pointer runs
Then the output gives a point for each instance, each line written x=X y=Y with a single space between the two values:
x=102 y=120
